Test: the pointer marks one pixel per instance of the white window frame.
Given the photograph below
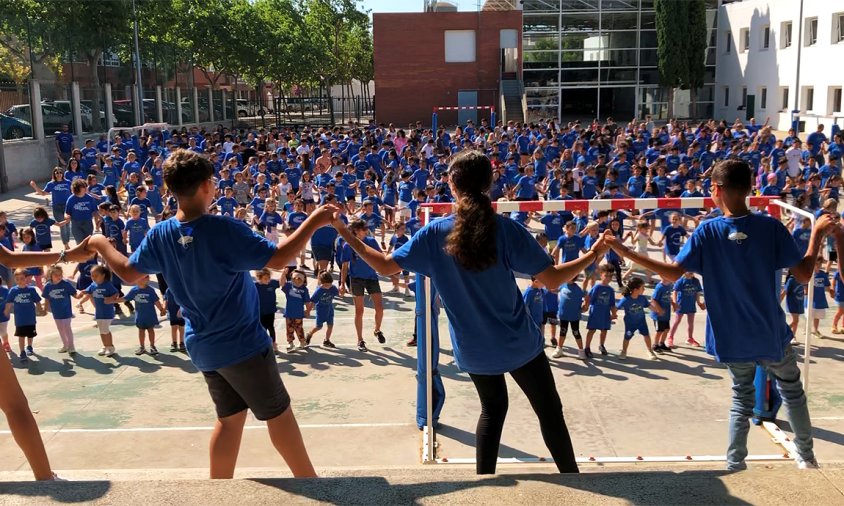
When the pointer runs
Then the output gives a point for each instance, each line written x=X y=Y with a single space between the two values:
x=809 y=98
x=838 y=28
x=744 y=36
x=811 y=33
x=744 y=97
x=765 y=43
x=833 y=91
x=785 y=96
x=786 y=35
x=763 y=98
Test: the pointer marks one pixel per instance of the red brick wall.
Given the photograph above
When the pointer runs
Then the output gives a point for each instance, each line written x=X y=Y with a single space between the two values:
x=411 y=75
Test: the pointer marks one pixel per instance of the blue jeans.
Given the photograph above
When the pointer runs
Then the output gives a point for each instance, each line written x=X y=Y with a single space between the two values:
x=81 y=229
x=790 y=388
x=58 y=215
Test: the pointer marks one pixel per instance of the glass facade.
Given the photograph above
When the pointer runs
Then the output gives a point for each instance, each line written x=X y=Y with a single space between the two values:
x=589 y=59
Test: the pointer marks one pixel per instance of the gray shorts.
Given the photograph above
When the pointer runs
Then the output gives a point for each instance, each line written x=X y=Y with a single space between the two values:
x=360 y=284
x=254 y=384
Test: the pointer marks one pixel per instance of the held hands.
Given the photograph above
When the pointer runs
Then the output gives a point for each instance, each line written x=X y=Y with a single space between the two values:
x=80 y=252
x=611 y=241
x=325 y=214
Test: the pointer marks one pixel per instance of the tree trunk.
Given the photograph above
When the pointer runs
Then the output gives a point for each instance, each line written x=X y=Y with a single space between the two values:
x=96 y=106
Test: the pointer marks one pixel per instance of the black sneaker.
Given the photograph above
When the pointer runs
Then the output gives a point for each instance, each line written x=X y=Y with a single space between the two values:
x=328 y=344
x=602 y=350
x=663 y=347
x=380 y=336
x=153 y=351
x=182 y=348
x=656 y=348
x=174 y=347
x=412 y=342
x=588 y=352
x=308 y=338
x=553 y=342
x=362 y=346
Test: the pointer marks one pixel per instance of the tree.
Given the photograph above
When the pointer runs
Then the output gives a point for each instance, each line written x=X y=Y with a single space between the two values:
x=671 y=20
x=697 y=35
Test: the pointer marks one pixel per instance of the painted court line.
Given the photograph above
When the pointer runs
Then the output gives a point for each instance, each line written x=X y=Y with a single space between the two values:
x=247 y=427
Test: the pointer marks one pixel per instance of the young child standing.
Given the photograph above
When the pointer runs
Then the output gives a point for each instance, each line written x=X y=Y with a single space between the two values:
x=104 y=295
x=57 y=294
x=745 y=324
x=534 y=301
x=232 y=349
x=794 y=293
x=821 y=286
x=4 y=320
x=267 y=301
x=323 y=300
x=839 y=301
x=634 y=302
x=602 y=311
x=568 y=312
x=27 y=236
x=295 y=311
x=23 y=301
x=550 y=302
x=146 y=301
x=177 y=323
x=686 y=299
x=662 y=303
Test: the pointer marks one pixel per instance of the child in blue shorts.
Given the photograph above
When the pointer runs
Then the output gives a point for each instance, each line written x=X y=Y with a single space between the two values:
x=550 y=302
x=231 y=348
x=534 y=301
x=634 y=303
x=146 y=302
x=839 y=301
x=661 y=303
x=569 y=308
x=821 y=286
x=740 y=254
x=601 y=304
x=323 y=301
x=687 y=292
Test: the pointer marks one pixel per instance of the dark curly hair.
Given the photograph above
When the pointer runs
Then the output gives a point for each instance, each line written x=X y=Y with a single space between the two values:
x=472 y=240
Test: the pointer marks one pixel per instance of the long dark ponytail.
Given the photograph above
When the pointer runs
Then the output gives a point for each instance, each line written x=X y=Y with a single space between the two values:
x=472 y=240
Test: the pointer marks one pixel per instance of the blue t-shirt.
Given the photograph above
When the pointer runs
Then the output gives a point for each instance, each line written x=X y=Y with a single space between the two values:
x=205 y=263
x=570 y=247
x=795 y=293
x=99 y=293
x=739 y=258
x=673 y=239
x=145 y=310
x=553 y=225
x=267 y=296
x=634 y=311
x=839 y=289
x=662 y=296
x=59 y=295
x=571 y=301
x=801 y=237
x=323 y=300
x=23 y=300
x=820 y=284
x=42 y=232
x=491 y=330
x=357 y=267
x=4 y=292
x=687 y=290
x=601 y=300
x=297 y=297
x=59 y=191
x=81 y=208
x=137 y=230
x=295 y=219
x=535 y=303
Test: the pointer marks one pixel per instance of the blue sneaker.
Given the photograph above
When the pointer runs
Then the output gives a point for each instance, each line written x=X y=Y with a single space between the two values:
x=23 y=358
x=29 y=351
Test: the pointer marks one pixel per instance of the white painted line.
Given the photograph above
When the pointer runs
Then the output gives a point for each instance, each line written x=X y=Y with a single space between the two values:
x=814 y=418
x=619 y=460
x=192 y=429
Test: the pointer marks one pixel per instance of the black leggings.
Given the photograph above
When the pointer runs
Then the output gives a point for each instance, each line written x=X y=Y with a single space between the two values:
x=537 y=382
x=575 y=328
x=617 y=266
x=268 y=322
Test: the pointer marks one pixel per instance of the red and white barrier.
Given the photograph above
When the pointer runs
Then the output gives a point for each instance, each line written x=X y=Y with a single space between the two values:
x=464 y=108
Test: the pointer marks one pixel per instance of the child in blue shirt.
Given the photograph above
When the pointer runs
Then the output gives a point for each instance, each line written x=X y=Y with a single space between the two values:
x=41 y=224
x=686 y=295
x=550 y=302
x=838 y=285
x=634 y=303
x=57 y=294
x=534 y=301
x=397 y=241
x=323 y=300
x=137 y=227
x=739 y=255
x=794 y=293
x=24 y=302
x=232 y=349
x=4 y=320
x=672 y=237
x=602 y=310
x=296 y=309
x=821 y=286
x=146 y=301
x=177 y=323
x=267 y=301
x=568 y=313
x=104 y=295
x=662 y=302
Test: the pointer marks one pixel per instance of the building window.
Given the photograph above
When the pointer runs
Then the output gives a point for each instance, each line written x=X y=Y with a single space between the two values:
x=763 y=98
x=459 y=46
x=785 y=34
x=744 y=97
x=808 y=98
x=811 y=32
x=766 y=37
x=834 y=100
x=745 y=39
x=784 y=95
x=838 y=27
x=726 y=96
x=729 y=42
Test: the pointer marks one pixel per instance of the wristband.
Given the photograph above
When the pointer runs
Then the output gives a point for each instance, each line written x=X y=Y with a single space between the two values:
x=62 y=257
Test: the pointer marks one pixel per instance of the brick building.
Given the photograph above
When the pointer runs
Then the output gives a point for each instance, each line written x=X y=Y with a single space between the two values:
x=432 y=59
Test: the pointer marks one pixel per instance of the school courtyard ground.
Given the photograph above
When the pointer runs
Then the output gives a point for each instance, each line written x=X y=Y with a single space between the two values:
x=136 y=428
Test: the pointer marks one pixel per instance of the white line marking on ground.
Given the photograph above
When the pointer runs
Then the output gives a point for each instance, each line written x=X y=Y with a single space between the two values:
x=247 y=427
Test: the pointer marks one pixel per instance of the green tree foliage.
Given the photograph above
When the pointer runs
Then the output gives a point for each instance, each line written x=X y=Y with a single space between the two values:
x=681 y=33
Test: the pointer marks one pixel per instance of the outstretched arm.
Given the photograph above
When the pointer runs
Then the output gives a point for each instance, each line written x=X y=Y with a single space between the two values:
x=556 y=275
x=21 y=259
x=116 y=261
x=825 y=224
x=297 y=241
x=671 y=272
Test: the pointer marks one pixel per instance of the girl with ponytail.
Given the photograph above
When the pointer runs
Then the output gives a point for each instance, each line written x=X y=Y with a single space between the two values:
x=471 y=257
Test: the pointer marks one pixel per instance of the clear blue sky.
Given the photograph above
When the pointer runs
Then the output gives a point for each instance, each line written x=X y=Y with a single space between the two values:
x=411 y=5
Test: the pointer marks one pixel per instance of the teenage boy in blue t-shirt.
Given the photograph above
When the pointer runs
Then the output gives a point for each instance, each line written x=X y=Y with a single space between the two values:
x=232 y=349
x=740 y=255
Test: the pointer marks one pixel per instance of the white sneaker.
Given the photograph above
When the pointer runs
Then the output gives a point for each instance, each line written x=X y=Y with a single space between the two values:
x=62 y=350
x=291 y=346
x=110 y=351
x=807 y=464
x=407 y=292
x=817 y=334
x=559 y=353
x=302 y=345
x=653 y=356
x=622 y=355
x=581 y=354
x=102 y=351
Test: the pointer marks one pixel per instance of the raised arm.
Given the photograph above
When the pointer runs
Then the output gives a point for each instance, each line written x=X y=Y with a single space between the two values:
x=383 y=263
x=671 y=272
x=825 y=224
x=116 y=261
x=299 y=239
x=556 y=275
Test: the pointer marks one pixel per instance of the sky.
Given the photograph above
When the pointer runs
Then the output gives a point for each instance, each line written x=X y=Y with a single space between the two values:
x=411 y=5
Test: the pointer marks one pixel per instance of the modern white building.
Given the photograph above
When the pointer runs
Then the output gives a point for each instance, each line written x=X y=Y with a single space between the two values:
x=774 y=63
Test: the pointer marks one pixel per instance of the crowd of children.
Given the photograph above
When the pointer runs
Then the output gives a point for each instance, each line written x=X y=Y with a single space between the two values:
x=271 y=180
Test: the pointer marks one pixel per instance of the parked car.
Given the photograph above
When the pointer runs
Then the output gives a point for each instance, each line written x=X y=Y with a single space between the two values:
x=14 y=128
x=54 y=118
